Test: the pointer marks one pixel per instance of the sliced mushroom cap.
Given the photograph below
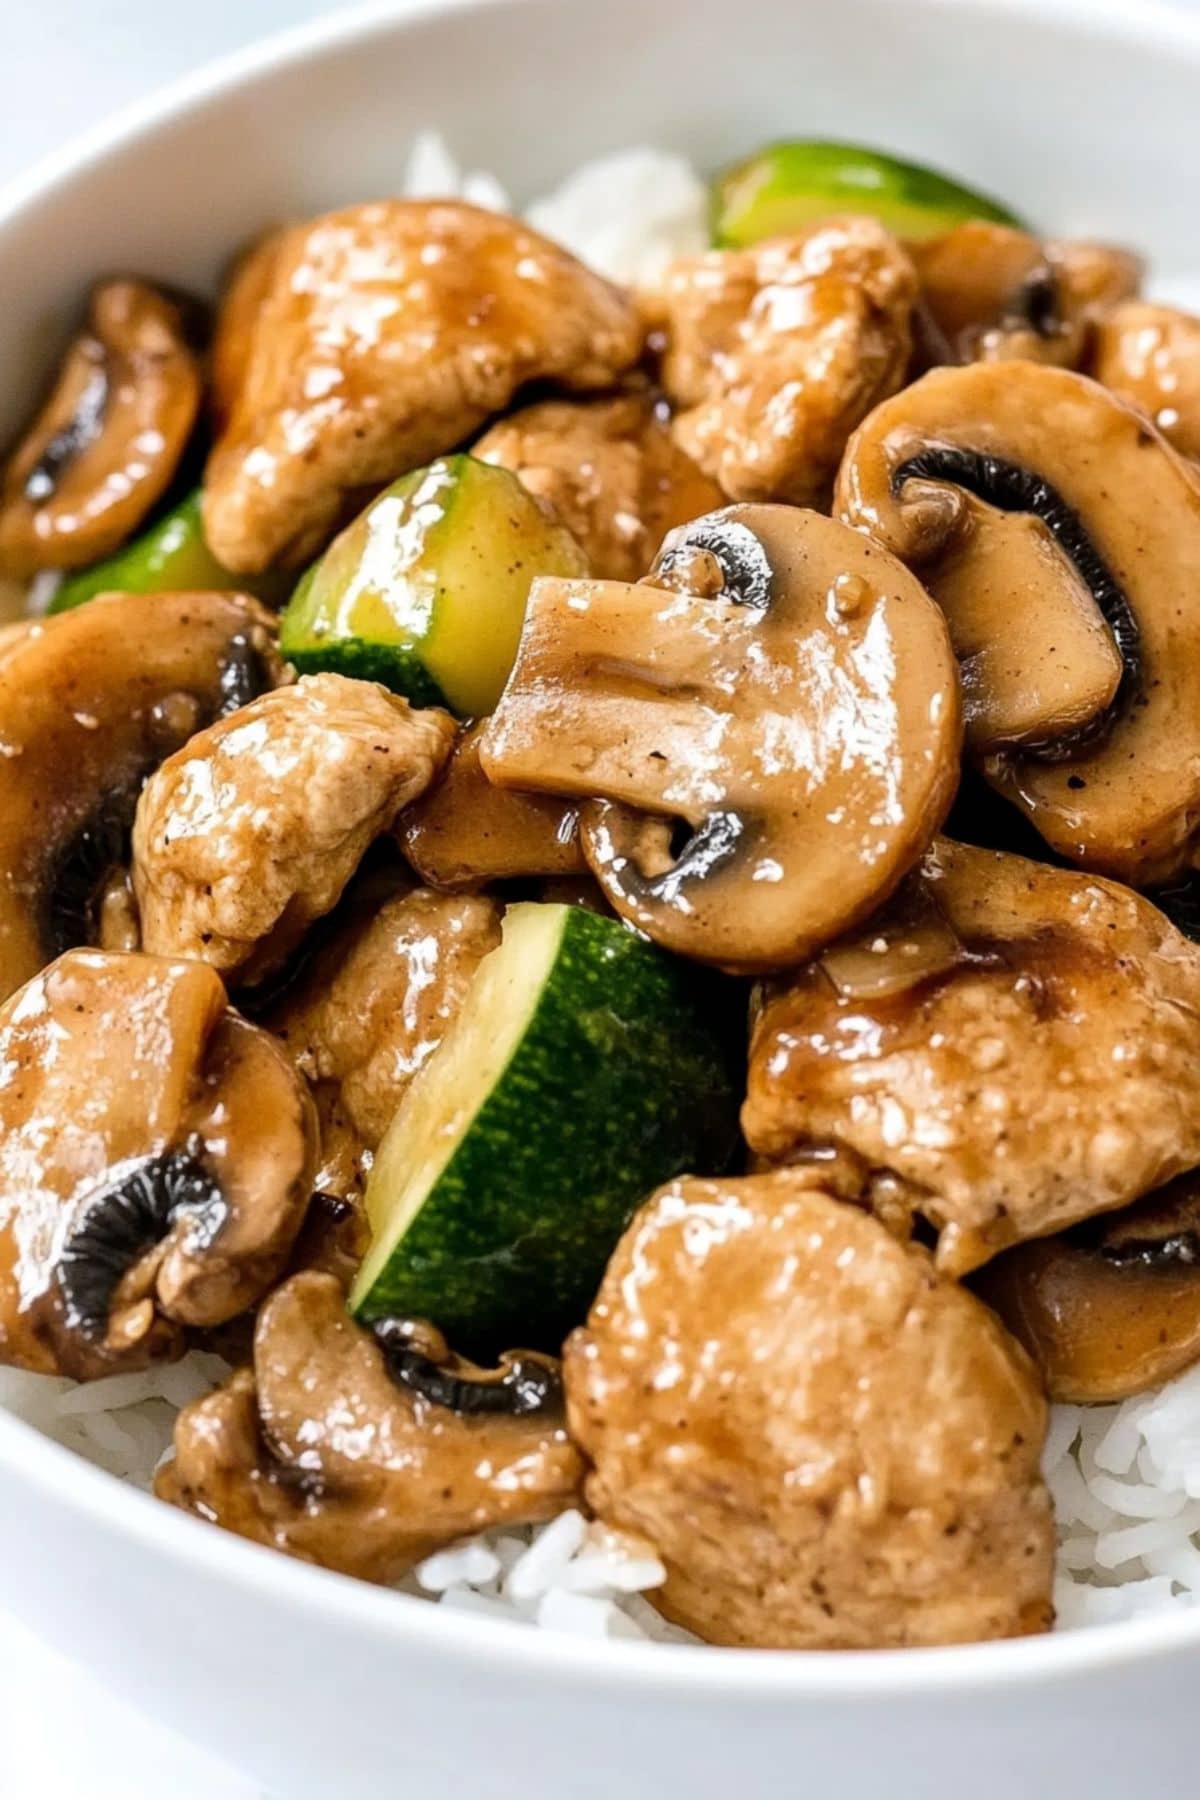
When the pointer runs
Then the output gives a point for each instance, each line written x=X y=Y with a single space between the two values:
x=1118 y=791
x=1111 y=1307
x=90 y=702
x=365 y=1451
x=384 y=336
x=251 y=832
x=1150 y=356
x=828 y=1446
x=993 y=293
x=107 y=442
x=774 y=354
x=466 y=832
x=778 y=687
x=1013 y=1049
x=176 y=1175
x=610 y=470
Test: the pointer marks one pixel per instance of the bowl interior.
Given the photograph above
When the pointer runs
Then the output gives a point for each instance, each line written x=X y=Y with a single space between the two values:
x=1084 y=125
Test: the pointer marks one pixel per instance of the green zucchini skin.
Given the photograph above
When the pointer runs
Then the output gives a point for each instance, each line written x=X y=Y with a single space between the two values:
x=628 y=1073
x=425 y=591
x=169 y=557
x=787 y=186
x=388 y=664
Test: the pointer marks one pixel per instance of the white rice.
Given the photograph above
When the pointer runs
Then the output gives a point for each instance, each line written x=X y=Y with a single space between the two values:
x=1125 y=1479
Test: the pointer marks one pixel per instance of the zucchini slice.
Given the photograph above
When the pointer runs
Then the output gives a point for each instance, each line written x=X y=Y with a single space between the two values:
x=425 y=591
x=585 y=1068
x=787 y=187
x=170 y=557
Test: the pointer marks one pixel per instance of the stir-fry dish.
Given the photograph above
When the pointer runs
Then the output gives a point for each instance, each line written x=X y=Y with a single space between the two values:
x=599 y=887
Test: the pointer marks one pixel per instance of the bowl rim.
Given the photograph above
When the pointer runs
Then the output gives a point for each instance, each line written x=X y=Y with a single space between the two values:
x=608 y=1667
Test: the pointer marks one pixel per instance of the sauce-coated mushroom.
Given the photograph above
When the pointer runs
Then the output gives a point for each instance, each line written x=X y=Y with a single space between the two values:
x=177 y=1173
x=1111 y=783
x=108 y=440
x=990 y=293
x=1111 y=1307
x=466 y=831
x=91 y=701
x=365 y=1451
x=779 y=693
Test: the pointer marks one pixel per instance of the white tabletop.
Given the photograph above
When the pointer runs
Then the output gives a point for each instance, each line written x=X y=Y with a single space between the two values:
x=67 y=63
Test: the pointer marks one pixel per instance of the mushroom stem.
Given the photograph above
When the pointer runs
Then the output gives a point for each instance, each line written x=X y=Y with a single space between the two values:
x=1010 y=488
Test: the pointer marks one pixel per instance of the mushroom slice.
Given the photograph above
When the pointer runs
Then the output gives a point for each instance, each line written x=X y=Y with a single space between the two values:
x=176 y=1174
x=993 y=293
x=610 y=470
x=828 y=1445
x=250 y=832
x=90 y=702
x=1150 y=356
x=385 y=335
x=372 y=1007
x=107 y=442
x=466 y=832
x=1118 y=791
x=775 y=354
x=365 y=1451
x=1112 y=1307
x=779 y=692
x=1046 y=1071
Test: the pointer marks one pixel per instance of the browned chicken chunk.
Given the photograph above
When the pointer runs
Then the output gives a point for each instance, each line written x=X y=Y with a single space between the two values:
x=1150 y=355
x=775 y=354
x=1042 y=1067
x=828 y=1445
x=610 y=470
x=376 y=1004
x=384 y=335
x=253 y=829
x=366 y=1453
x=175 y=1176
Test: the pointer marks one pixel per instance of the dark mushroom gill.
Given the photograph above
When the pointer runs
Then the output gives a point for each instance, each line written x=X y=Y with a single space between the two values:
x=526 y=1384
x=126 y=1218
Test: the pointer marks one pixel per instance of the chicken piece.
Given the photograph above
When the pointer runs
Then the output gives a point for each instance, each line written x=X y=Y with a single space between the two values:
x=246 y=287
x=374 y=1007
x=385 y=335
x=1042 y=1067
x=828 y=1445
x=778 y=352
x=366 y=1453
x=1150 y=355
x=610 y=470
x=253 y=829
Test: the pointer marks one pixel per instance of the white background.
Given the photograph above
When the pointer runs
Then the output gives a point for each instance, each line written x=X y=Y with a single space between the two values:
x=66 y=64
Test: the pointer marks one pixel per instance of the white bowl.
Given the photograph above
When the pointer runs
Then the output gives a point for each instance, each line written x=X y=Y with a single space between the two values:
x=321 y=1686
